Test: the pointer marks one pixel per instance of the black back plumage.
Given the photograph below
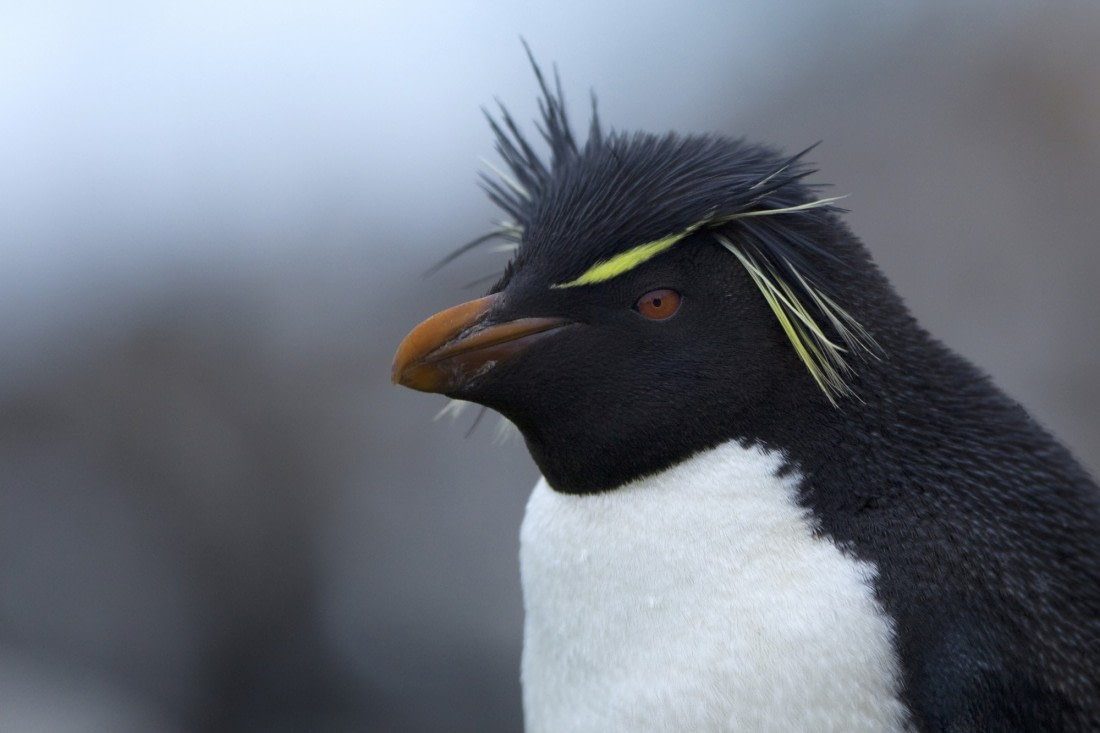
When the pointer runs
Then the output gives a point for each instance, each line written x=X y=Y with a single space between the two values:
x=984 y=530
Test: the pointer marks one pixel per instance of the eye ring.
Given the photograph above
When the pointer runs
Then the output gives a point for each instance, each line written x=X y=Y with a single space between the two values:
x=658 y=305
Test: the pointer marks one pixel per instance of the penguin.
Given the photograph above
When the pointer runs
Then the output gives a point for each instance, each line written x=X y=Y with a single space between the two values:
x=770 y=500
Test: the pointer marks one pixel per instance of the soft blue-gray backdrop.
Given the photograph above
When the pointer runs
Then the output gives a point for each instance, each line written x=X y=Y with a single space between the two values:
x=215 y=512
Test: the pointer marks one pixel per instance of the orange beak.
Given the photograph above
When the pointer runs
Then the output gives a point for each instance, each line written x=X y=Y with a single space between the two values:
x=455 y=346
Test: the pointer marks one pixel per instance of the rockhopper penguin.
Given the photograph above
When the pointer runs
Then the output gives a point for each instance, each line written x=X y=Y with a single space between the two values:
x=771 y=501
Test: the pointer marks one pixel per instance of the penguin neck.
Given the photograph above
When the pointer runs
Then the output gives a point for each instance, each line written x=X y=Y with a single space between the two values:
x=785 y=415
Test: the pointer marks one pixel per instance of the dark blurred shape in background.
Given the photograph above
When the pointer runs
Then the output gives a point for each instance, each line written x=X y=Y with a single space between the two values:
x=215 y=513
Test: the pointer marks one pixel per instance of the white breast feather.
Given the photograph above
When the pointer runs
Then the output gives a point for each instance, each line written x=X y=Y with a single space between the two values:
x=699 y=600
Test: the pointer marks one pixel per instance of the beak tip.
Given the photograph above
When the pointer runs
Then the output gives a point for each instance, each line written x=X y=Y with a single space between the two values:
x=409 y=369
x=422 y=378
x=454 y=347
x=399 y=366
x=404 y=373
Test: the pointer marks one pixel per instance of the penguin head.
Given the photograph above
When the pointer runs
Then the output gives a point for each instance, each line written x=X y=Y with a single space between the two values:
x=666 y=294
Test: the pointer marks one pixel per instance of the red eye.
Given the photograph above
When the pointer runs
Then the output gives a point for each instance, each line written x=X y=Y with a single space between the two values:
x=657 y=305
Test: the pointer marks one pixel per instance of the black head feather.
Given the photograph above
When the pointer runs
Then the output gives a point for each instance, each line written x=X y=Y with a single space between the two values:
x=588 y=203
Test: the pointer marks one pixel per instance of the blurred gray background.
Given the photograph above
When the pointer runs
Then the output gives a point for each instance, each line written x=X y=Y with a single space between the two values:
x=216 y=514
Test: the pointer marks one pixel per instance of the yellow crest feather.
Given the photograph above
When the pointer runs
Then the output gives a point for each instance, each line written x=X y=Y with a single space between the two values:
x=626 y=261
x=824 y=359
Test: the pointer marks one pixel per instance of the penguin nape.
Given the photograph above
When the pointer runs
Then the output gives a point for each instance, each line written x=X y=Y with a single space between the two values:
x=770 y=500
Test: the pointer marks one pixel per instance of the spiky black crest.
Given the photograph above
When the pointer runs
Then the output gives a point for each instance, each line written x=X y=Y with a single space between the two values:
x=587 y=205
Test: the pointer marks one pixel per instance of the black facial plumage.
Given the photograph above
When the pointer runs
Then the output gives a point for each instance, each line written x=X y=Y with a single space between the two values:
x=591 y=202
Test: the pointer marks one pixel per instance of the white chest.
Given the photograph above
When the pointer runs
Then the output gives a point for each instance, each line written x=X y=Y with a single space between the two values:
x=700 y=600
